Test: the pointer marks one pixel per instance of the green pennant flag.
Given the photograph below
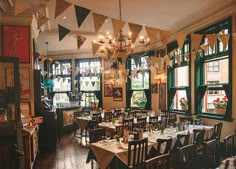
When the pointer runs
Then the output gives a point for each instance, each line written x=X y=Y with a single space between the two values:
x=81 y=14
x=62 y=32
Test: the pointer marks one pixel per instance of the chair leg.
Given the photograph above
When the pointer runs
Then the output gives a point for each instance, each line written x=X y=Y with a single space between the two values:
x=92 y=164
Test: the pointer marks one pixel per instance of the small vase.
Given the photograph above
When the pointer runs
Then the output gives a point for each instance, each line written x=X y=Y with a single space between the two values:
x=184 y=107
x=220 y=110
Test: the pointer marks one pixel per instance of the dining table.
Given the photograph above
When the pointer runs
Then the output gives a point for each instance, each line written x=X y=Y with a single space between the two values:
x=114 y=153
x=228 y=163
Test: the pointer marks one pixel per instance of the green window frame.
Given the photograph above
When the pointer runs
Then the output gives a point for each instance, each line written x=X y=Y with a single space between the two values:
x=145 y=90
x=92 y=96
x=205 y=92
x=175 y=90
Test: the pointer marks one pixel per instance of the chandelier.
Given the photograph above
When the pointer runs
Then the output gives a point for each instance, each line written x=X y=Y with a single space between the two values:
x=119 y=46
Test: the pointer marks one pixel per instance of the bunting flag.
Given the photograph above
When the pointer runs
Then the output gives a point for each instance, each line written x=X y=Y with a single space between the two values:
x=196 y=40
x=180 y=37
x=134 y=29
x=43 y=72
x=81 y=14
x=117 y=26
x=186 y=55
x=80 y=41
x=152 y=33
x=224 y=39
x=178 y=59
x=80 y=82
x=98 y=21
x=164 y=35
x=142 y=71
x=57 y=62
x=62 y=32
x=49 y=75
x=41 y=19
x=137 y=60
x=86 y=83
x=204 y=47
x=60 y=7
x=93 y=83
x=211 y=40
x=20 y=6
x=95 y=47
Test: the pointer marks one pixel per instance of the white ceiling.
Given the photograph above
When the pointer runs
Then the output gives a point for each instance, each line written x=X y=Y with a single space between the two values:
x=172 y=15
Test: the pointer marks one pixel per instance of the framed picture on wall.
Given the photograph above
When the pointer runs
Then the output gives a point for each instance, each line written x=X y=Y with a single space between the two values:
x=162 y=96
x=108 y=90
x=117 y=94
x=24 y=81
x=154 y=88
x=16 y=42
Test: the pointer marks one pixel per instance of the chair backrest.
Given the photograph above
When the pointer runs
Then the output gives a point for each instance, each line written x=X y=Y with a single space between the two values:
x=229 y=146
x=212 y=153
x=128 y=123
x=96 y=135
x=182 y=140
x=158 y=162
x=131 y=114
x=92 y=124
x=137 y=153
x=120 y=131
x=168 y=144
x=217 y=130
x=171 y=121
x=187 y=157
x=97 y=118
x=142 y=120
x=172 y=115
x=198 y=136
x=108 y=116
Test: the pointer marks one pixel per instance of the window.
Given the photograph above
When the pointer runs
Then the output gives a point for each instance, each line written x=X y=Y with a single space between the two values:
x=89 y=82
x=138 y=88
x=178 y=78
x=62 y=81
x=213 y=75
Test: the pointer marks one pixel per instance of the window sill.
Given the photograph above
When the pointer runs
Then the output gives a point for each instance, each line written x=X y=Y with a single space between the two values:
x=217 y=117
x=180 y=112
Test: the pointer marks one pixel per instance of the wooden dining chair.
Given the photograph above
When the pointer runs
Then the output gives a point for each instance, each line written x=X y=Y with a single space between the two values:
x=217 y=130
x=120 y=131
x=128 y=123
x=96 y=135
x=186 y=157
x=97 y=118
x=158 y=162
x=137 y=153
x=212 y=153
x=142 y=122
x=167 y=148
x=164 y=120
x=108 y=116
x=198 y=140
x=229 y=146
x=92 y=124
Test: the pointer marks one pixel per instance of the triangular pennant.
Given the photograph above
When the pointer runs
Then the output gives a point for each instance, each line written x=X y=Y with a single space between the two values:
x=211 y=40
x=178 y=59
x=93 y=83
x=164 y=35
x=152 y=33
x=62 y=32
x=81 y=14
x=134 y=29
x=95 y=47
x=186 y=55
x=142 y=71
x=117 y=26
x=204 y=47
x=137 y=60
x=98 y=21
x=41 y=19
x=86 y=83
x=20 y=6
x=60 y=7
x=180 y=37
x=43 y=72
x=80 y=41
x=196 y=40
x=224 y=39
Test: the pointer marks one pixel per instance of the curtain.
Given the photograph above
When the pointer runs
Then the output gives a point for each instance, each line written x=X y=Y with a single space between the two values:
x=172 y=92
x=98 y=95
x=201 y=93
x=128 y=100
x=148 y=96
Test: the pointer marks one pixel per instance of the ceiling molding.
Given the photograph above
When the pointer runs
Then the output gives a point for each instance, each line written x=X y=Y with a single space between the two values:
x=16 y=20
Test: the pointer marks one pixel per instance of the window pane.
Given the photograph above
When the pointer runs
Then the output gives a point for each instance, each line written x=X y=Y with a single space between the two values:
x=217 y=71
x=60 y=98
x=181 y=76
x=208 y=101
x=89 y=100
x=138 y=99
x=62 y=84
x=142 y=82
x=179 y=94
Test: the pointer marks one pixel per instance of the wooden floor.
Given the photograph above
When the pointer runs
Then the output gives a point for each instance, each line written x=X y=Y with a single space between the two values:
x=68 y=155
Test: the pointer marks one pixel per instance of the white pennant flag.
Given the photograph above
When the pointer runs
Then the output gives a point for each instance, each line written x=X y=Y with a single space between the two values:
x=43 y=72
x=86 y=83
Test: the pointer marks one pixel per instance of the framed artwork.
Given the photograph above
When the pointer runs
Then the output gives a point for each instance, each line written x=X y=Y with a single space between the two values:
x=110 y=64
x=117 y=94
x=162 y=96
x=16 y=42
x=154 y=88
x=24 y=81
x=108 y=90
x=68 y=117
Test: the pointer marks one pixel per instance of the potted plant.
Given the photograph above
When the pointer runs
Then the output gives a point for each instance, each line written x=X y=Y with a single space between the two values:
x=220 y=105
x=184 y=103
